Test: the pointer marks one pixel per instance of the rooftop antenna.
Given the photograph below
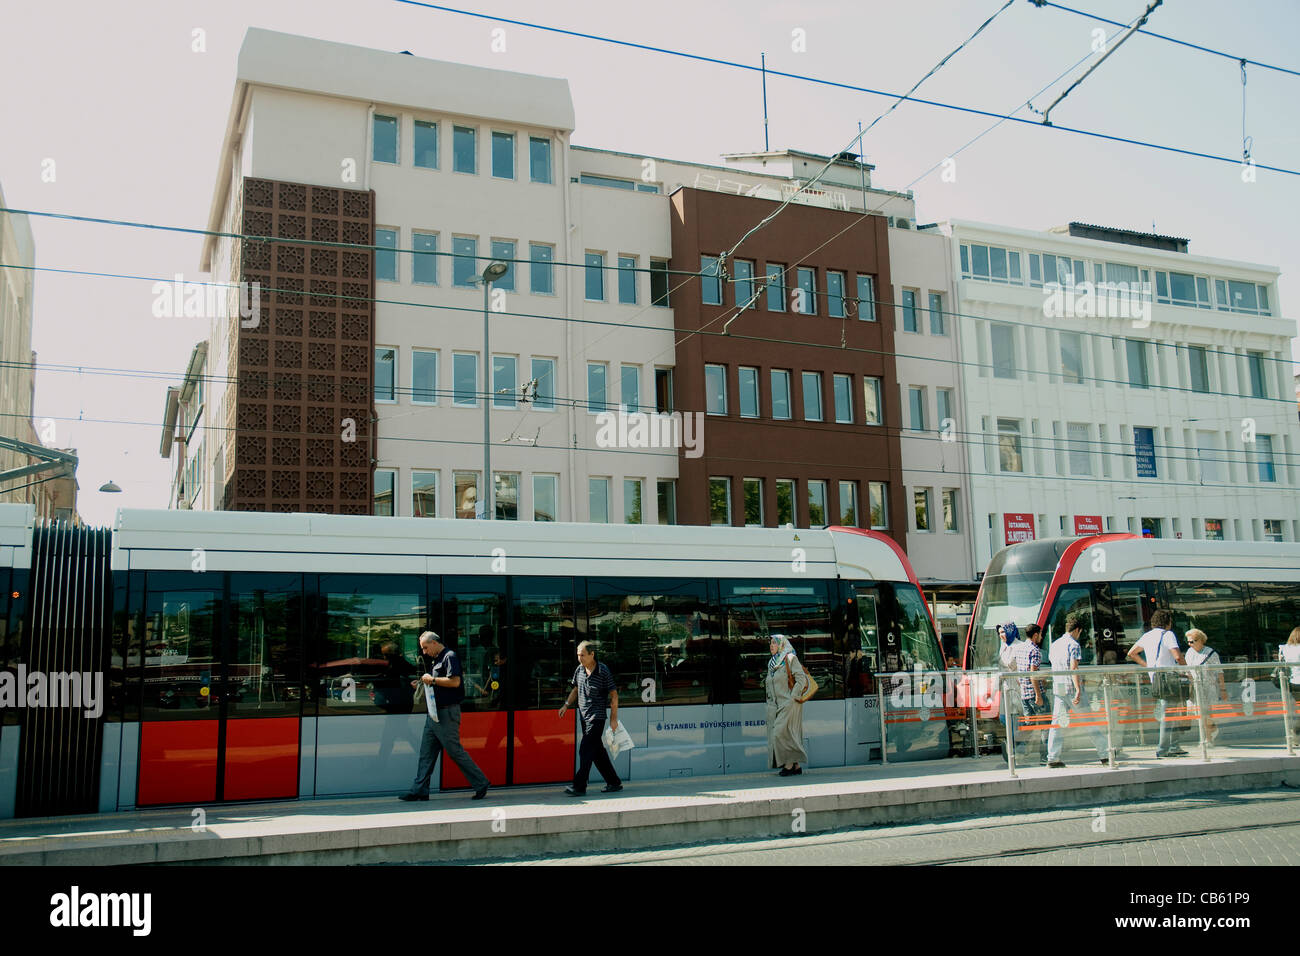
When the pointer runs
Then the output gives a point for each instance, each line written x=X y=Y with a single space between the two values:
x=766 y=147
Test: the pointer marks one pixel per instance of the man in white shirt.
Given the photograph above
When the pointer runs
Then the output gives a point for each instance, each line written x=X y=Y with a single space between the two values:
x=1067 y=694
x=1158 y=647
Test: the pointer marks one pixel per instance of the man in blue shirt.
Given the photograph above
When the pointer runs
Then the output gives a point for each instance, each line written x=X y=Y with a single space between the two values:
x=592 y=685
x=443 y=735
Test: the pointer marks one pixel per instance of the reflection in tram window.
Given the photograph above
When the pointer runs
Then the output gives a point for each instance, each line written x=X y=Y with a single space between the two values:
x=1276 y=611
x=473 y=619
x=180 y=654
x=264 y=672
x=919 y=647
x=657 y=630
x=372 y=634
x=1077 y=600
x=1130 y=615
x=542 y=648
x=753 y=610
x=1218 y=610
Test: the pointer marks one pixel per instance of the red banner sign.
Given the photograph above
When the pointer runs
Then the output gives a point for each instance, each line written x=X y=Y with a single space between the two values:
x=1087 y=524
x=1018 y=527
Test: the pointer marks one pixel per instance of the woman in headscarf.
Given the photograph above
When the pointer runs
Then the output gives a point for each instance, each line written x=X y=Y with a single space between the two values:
x=786 y=683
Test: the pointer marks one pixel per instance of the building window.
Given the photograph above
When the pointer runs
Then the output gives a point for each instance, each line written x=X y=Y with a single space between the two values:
x=464 y=158
x=659 y=283
x=921 y=505
x=816 y=503
x=541 y=272
x=595 y=277
x=1263 y=455
x=1072 y=358
x=545 y=497
x=503 y=155
x=464 y=375
x=663 y=390
x=1213 y=529
x=539 y=159
x=835 y=294
x=909 y=310
x=1004 y=350
x=632 y=501
x=950 y=511
x=936 y=314
x=627 y=280
x=1180 y=288
x=426 y=144
x=385 y=482
x=630 y=387
x=1208 y=456
x=1136 y=351
x=504 y=381
x=424 y=494
x=1080 y=453
x=943 y=398
x=720 y=501
x=780 y=393
x=748 y=392
x=385 y=375
x=596 y=374
x=878 y=493
x=874 y=410
x=385 y=148
x=1272 y=529
x=916 y=404
x=753 y=502
x=710 y=281
x=990 y=263
x=806 y=293
x=1199 y=367
x=866 y=298
x=1242 y=297
x=744 y=278
x=715 y=389
x=424 y=377
x=1009 y=445
x=386 y=255
x=812 y=396
x=1144 y=448
x=466 y=493
x=464 y=263
x=775 y=287
x=666 y=492
x=849 y=504
x=503 y=250
x=591 y=179
x=844 y=399
x=543 y=373
x=784 y=502
x=1255 y=362
x=598 y=499
x=424 y=258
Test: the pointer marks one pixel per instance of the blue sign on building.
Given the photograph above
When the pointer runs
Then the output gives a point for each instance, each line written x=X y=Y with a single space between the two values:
x=1144 y=444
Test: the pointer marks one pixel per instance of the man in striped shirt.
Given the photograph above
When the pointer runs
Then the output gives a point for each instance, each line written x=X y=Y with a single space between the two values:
x=593 y=684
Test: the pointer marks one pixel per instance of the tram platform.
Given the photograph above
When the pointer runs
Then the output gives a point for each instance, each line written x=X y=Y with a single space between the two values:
x=543 y=821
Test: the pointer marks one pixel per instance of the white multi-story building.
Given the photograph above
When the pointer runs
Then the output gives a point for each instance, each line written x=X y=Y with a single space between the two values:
x=1159 y=406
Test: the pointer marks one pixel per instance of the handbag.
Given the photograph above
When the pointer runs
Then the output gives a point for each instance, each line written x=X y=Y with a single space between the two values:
x=1168 y=686
x=812 y=683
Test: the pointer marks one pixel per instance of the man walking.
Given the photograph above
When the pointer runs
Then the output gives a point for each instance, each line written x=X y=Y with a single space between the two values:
x=443 y=735
x=1067 y=692
x=1158 y=647
x=593 y=684
x=1027 y=657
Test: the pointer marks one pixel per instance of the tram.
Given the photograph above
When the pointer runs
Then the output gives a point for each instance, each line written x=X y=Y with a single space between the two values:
x=262 y=656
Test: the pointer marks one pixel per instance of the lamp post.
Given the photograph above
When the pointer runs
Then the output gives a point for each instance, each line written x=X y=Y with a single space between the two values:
x=492 y=273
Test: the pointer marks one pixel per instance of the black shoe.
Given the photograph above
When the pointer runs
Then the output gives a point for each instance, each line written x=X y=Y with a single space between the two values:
x=614 y=789
x=797 y=770
x=569 y=791
x=1056 y=764
x=414 y=796
x=1105 y=761
x=785 y=773
x=479 y=794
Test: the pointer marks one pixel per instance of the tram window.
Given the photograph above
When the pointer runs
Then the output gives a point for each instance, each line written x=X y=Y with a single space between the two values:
x=916 y=634
x=181 y=654
x=473 y=619
x=371 y=643
x=1275 y=611
x=1071 y=600
x=264 y=670
x=752 y=610
x=862 y=653
x=1129 y=617
x=658 y=629
x=1216 y=608
x=533 y=668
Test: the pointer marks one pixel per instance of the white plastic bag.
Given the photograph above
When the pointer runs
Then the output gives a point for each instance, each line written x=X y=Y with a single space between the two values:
x=616 y=741
x=431 y=702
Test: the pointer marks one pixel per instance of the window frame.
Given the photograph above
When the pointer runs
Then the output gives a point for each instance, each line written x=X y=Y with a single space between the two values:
x=456 y=131
x=497 y=136
x=416 y=390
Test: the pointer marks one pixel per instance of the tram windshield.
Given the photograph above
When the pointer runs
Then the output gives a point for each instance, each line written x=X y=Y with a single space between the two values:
x=1013 y=590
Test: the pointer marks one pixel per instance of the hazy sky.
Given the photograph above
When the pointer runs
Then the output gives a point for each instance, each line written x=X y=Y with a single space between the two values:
x=133 y=120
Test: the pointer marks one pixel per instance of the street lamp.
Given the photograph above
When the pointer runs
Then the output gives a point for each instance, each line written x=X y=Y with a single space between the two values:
x=493 y=272
x=109 y=486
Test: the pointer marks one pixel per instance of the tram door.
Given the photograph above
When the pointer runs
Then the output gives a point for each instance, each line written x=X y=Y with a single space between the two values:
x=221 y=675
x=862 y=664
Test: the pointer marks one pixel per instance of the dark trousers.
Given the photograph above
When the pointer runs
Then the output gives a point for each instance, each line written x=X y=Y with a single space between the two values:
x=444 y=737
x=592 y=750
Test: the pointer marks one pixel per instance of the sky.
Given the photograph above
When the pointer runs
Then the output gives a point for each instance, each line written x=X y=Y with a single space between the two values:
x=109 y=110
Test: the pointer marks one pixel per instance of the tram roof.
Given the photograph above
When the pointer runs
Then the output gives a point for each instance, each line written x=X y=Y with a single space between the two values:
x=248 y=541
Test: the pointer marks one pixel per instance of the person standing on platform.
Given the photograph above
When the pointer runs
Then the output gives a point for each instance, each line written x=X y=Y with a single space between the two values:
x=593 y=685
x=1026 y=656
x=1067 y=694
x=786 y=683
x=1158 y=647
x=443 y=735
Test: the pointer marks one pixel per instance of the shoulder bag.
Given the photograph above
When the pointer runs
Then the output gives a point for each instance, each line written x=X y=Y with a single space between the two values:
x=812 y=684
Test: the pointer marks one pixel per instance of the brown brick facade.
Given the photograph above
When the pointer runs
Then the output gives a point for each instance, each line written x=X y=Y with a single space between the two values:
x=307 y=366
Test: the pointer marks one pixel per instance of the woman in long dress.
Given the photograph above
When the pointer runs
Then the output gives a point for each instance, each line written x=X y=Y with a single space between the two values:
x=784 y=710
